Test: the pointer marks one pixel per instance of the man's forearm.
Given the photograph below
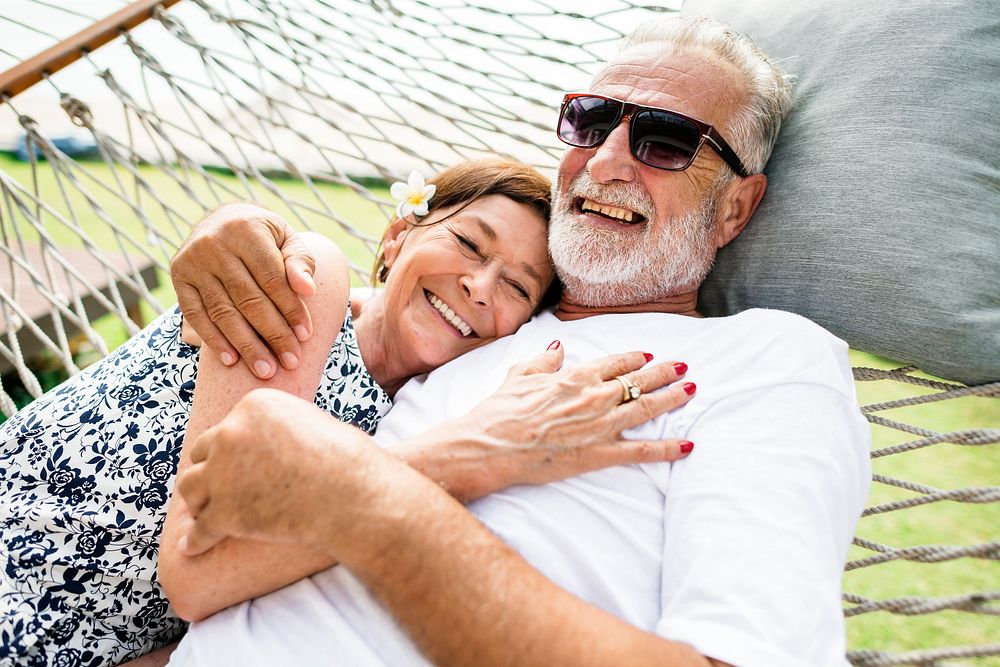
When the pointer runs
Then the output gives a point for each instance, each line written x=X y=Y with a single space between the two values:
x=467 y=598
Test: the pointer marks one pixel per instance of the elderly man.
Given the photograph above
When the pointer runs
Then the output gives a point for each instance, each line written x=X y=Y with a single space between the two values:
x=733 y=556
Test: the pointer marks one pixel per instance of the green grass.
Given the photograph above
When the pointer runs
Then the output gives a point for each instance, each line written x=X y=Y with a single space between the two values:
x=350 y=207
x=944 y=466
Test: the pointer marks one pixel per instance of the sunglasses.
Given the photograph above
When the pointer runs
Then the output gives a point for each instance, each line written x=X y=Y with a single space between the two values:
x=658 y=137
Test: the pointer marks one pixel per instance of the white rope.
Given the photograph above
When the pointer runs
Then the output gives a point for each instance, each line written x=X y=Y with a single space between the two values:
x=309 y=107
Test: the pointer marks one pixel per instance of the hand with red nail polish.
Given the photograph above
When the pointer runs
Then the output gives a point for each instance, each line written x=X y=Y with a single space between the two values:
x=547 y=423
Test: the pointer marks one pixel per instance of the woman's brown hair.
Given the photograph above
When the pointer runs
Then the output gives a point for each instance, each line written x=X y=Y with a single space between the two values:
x=464 y=183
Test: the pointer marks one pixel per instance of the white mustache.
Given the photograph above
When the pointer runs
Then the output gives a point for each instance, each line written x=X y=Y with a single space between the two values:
x=631 y=196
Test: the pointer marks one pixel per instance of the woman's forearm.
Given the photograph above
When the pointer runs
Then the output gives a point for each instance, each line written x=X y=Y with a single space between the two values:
x=237 y=570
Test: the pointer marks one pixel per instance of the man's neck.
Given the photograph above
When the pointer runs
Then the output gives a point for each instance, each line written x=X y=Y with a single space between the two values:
x=681 y=304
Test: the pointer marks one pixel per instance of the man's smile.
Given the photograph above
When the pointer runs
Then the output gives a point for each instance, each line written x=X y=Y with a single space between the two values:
x=623 y=215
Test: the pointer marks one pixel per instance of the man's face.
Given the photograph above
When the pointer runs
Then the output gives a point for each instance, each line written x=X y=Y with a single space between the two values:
x=670 y=243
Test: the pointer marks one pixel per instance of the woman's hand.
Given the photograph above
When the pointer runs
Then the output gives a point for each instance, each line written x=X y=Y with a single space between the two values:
x=546 y=424
x=239 y=280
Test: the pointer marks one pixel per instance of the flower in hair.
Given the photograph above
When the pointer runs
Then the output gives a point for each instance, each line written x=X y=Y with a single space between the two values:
x=412 y=195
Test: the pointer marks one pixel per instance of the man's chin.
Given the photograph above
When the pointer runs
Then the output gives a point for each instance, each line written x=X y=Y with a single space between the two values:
x=604 y=294
x=596 y=289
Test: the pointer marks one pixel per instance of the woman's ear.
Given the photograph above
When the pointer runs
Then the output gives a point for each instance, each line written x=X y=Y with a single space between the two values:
x=392 y=240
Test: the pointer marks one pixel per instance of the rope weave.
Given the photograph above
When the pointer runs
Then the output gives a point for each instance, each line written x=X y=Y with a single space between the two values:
x=309 y=107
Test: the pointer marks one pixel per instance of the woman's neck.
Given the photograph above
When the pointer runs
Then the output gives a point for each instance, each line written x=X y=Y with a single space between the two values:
x=369 y=328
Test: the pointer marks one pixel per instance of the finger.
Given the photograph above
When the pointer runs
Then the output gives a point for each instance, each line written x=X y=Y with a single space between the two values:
x=196 y=316
x=254 y=294
x=548 y=361
x=653 y=376
x=300 y=266
x=193 y=487
x=200 y=537
x=652 y=451
x=199 y=450
x=282 y=277
x=652 y=405
x=624 y=452
x=238 y=331
x=618 y=364
x=253 y=273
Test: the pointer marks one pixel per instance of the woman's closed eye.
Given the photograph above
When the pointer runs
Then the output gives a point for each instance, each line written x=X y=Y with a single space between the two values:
x=467 y=243
x=519 y=290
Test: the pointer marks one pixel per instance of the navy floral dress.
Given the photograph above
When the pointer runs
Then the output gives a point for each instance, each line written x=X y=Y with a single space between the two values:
x=85 y=475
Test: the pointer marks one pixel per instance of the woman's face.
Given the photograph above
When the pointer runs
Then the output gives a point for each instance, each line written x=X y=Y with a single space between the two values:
x=460 y=283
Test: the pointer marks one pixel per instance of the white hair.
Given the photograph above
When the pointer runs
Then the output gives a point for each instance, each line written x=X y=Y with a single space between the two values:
x=754 y=127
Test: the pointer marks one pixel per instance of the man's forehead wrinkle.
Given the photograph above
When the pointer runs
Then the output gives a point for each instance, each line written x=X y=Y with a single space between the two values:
x=697 y=83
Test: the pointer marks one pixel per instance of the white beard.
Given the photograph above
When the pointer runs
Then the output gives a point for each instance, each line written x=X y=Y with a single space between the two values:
x=602 y=267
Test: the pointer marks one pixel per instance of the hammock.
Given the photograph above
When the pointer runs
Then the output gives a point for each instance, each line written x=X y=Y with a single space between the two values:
x=309 y=107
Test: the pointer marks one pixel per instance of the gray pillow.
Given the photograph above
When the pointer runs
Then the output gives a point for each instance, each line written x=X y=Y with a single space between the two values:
x=880 y=221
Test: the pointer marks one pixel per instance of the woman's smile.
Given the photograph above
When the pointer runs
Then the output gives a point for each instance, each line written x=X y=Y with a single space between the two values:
x=452 y=318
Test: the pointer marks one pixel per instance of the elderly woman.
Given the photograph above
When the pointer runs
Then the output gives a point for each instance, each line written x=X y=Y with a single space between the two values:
x=87 y=470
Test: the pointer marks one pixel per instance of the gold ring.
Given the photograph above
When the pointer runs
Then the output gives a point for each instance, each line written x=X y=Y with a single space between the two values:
x=630 y=390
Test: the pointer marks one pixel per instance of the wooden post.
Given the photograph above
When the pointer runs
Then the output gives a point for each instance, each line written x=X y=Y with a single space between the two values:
x=21 y=77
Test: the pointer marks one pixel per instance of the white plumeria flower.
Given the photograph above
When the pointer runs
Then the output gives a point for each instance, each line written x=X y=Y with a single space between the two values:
x=412 y=195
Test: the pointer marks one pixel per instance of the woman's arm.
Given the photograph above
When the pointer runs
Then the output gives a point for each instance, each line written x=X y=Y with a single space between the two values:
x=238 y=569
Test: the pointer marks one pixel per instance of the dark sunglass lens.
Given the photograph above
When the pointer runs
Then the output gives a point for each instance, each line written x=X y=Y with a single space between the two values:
x=586 y=121
x=661 y=139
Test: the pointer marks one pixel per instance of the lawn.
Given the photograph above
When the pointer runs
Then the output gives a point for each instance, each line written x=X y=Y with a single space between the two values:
x=944 y=466
x=187 y=205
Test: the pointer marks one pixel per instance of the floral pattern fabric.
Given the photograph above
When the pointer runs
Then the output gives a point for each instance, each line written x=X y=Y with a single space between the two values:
x=85 y=475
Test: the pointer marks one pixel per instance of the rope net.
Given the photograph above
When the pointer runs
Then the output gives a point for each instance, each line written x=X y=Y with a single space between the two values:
x=309 y=107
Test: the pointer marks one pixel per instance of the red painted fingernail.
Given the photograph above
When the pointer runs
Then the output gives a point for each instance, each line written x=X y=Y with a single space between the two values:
x=680 y=368
x=648 y=356
x=690 y=387
x=686 y=447
x=554 y=345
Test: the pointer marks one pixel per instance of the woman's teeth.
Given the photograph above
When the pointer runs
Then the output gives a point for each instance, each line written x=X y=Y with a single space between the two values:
x=449 y=314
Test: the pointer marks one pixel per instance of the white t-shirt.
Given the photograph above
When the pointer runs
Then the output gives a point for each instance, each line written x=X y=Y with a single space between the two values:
x=737 y=550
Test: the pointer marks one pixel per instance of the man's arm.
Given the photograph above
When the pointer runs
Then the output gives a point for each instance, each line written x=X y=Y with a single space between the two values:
x=464 y=596
x=566 y=424
x=784 y=470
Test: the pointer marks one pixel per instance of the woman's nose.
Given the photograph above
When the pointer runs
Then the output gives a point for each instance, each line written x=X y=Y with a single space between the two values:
x=479 y=284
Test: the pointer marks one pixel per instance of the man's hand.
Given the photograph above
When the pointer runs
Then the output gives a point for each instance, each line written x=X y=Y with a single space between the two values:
x=270 y=471
x=239 y=279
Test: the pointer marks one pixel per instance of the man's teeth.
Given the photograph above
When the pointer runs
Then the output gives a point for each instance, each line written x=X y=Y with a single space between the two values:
x=612 y=212
x=449 y=314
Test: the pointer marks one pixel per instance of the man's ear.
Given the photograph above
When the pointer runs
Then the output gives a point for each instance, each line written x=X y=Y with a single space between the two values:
x=392 y=240
x=739 y=201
